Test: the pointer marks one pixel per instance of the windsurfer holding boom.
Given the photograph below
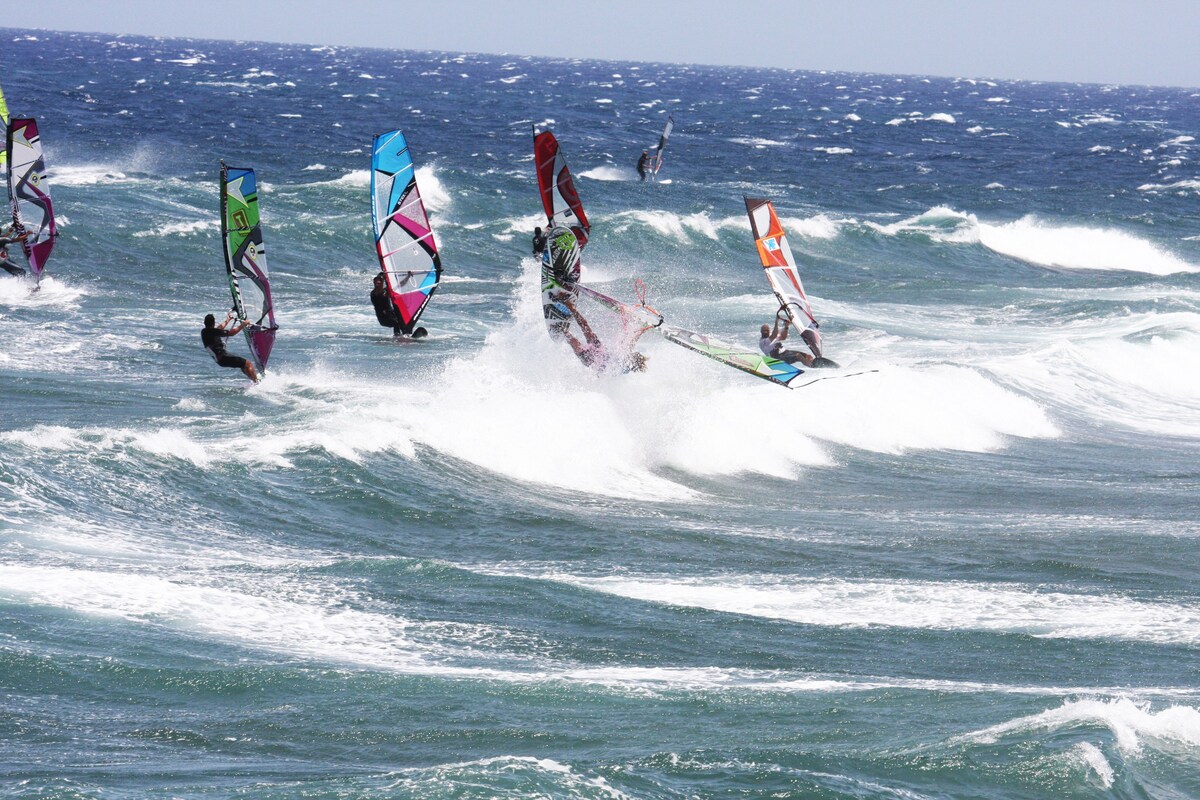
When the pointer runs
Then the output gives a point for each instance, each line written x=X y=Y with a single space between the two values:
x=771 y=344
x=386 y=313
x=772 y=341
x=213 y=336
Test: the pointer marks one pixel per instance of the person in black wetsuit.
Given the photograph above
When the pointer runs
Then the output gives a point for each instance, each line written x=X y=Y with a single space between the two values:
x=643 y=162
x=213 y=336
x=386 y=313
x=7 y=265
x=539 y=242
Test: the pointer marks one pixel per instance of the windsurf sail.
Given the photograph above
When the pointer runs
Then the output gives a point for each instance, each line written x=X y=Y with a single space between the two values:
x=407 y=253
x=29 y=193
x=771 y=369
x=246 y=261
x=657 y=158
x=749 y=361
x=4 y=122
x=778 y=262
x=557 y=187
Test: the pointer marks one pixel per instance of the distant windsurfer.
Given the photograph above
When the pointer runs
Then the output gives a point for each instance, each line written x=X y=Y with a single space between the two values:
x=773 y=338
x=213 y=336
x=7 y=265
x=643 y=163
x=539 y=242
x=386 y=313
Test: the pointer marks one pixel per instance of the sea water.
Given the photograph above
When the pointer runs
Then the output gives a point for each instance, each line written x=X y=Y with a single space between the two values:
x=470 y=567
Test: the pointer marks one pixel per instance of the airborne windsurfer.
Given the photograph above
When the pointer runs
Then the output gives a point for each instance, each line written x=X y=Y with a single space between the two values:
x=594 y=354
x=213 y=336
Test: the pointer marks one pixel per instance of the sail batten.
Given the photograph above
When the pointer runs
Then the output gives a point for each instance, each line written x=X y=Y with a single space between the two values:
x=29 y=193
x=246 y=261
x=404 y=241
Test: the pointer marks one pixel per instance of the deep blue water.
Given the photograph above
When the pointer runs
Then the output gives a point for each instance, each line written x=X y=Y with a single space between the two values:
x=469 y=567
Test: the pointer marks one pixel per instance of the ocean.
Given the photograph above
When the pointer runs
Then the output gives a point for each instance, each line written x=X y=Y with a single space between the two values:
x=470 y=567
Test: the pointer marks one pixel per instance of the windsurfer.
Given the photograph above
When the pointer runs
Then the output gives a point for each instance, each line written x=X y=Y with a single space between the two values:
x=539 y=242
x=7 y=265
x=213 y=336
x=594 y=354
x=643 y=163
x=772 y=341
x=386 y=313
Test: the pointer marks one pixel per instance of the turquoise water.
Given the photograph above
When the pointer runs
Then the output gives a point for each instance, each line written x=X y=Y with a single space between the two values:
x=469 y=567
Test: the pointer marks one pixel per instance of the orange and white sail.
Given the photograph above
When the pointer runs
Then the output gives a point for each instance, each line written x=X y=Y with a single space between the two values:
x=778 y=262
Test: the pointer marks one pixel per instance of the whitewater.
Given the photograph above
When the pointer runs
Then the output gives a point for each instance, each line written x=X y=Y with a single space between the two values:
x=469 y=566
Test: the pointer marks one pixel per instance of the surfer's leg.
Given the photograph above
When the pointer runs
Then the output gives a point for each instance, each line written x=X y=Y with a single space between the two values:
x=588 y=334
x=792 y=356
x=248 y=370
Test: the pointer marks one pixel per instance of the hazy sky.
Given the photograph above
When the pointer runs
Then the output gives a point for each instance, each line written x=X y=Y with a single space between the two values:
x=1100 y=41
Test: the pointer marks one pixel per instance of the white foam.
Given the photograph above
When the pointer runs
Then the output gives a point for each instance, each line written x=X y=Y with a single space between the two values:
x=43 y=437
x=1077 y=247
x=1044 y=243
x=521 y=776
x=941 y=117
x=926 y=605
x=1092 y=758
x=181 y=228
x=1136 y=371
x=756 y=141
x=675 y=226
x=1130 y=723
x=87 y=175
x=819 y=227
x=275 y=618
x=834 y=151
x=433 y=193
x=358 y=178
x=1190 y=183
x=607 y=173
x=940 y=223
x=53 y=293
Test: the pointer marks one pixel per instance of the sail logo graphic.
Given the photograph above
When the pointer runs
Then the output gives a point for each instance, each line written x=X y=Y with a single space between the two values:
x=240 y=222
x=771 y=244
